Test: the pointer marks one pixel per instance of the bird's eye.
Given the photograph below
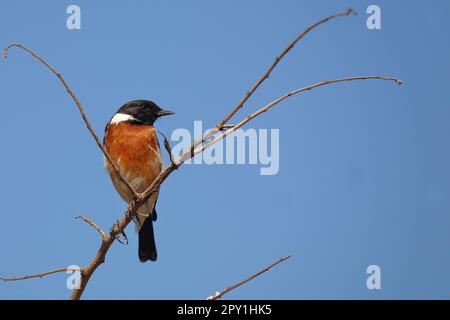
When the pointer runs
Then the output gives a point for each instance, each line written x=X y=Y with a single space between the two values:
x=143 y=107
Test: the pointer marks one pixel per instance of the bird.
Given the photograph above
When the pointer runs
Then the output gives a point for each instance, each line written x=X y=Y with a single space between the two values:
x=132 y=143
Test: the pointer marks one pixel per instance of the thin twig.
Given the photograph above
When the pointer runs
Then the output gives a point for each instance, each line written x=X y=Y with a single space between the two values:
x=168 y=149
x=218 y=295
x=92 y=224
x=287 y=95
x=40 y=275
x=80 y=109
x=277 y=60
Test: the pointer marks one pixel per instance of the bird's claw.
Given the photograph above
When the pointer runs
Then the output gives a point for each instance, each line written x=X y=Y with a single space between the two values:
x=116 y=233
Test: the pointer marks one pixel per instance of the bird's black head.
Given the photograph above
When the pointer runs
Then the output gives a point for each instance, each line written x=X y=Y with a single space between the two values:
x=142 y=111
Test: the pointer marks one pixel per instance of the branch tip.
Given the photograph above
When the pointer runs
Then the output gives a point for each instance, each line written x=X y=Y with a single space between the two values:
x=92 y=224
x=40 y=275
x=351 y=11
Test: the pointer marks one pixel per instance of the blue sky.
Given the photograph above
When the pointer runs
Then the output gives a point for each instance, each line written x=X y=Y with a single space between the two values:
x=364 y=173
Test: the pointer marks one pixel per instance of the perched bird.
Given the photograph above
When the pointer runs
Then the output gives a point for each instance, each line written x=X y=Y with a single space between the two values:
x=131 y=141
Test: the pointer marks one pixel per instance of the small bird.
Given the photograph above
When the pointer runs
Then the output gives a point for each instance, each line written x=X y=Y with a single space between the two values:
x=131 y=141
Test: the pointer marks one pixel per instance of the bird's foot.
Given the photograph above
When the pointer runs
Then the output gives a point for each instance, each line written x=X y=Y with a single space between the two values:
x=116 y=233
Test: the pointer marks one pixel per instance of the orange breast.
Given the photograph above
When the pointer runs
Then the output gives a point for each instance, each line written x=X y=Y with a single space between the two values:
x=135 y=150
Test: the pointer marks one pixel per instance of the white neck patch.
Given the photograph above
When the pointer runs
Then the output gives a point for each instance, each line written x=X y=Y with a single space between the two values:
x=120 y=117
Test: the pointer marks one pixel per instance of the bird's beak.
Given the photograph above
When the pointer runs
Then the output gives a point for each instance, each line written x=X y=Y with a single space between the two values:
x=163 y=113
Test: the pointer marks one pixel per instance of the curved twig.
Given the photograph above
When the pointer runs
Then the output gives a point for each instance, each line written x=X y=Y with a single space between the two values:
x=278 y=59
x=40 y=275
x=80 y=109
x=168 y=148
x=92 y=224
x=287 y=95
x=218 y=127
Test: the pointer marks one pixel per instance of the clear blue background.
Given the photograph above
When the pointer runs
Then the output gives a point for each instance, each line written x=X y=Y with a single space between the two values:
x=364 y=167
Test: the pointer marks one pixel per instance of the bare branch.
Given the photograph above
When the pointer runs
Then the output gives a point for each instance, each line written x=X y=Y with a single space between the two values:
x=218 y=295
x=287 y=95
x=40 y=275
x=92 y=224
x=80 y=109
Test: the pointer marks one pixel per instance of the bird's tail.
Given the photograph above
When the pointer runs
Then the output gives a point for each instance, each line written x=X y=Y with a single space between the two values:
x=147 y=246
